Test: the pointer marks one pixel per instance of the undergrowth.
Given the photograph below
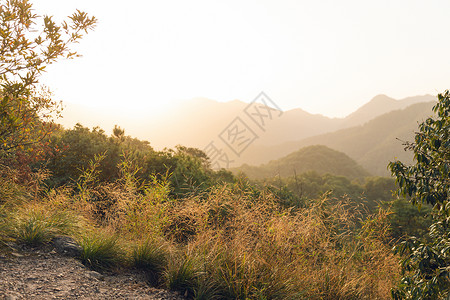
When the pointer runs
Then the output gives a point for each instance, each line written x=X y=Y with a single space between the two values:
x=101 y=251
x=151 y=257
x=35 y=225
x=230 y=242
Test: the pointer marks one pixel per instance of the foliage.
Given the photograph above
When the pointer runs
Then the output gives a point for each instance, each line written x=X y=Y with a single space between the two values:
x=186 y=169
x=36 y=226
x=151 y=257
x=78 y=147
x=101 y=251
x=181 y=275
x=10 y=190
x=312 y=185
x=190 y=173
x=406 y=220
x=426 y=265
x=29 y=44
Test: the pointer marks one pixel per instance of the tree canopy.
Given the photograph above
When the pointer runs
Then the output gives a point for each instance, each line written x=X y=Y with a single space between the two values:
x=427 y=264
x=29 y=43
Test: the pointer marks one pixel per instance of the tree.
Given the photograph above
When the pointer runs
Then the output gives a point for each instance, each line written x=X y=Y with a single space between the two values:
x=427 y=264
x=29 y=43
x=191 y=172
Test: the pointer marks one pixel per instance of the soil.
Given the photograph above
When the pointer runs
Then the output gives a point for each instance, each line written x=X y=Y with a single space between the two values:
x=45 y=274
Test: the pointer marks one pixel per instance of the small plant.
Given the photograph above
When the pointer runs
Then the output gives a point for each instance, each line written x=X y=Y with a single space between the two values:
x=34 y=226
x=151 y=258
x=207 y=289
x=183 y=276
x=101 y=251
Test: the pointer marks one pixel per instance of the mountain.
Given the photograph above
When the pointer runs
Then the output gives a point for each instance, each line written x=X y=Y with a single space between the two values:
x=200 y=121
x=197 y=122
x=380 y=105
x=318 y=158
x=372 y=145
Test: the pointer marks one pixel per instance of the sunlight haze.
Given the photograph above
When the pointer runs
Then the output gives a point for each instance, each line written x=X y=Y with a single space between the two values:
x=234 y=149
x=325 y=57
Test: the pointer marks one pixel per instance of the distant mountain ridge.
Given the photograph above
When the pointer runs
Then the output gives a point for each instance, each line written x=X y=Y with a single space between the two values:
x=197 y=122
x=379 y=105
x=368 y=135
x=372 y=145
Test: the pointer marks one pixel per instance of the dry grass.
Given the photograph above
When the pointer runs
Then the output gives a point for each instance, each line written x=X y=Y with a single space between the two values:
x=233 y=242
x=252 y=248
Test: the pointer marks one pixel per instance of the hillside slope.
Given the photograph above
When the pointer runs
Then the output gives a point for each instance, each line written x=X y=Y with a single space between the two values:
x=380 y=105
x=372 y=145
x=318 y=158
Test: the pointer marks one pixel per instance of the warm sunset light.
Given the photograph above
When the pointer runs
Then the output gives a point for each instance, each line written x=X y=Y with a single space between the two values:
x=235 y=149
x=327 y=57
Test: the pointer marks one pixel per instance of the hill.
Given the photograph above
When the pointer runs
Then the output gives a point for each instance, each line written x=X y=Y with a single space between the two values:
x=380 y=105
x=197 y=122
x=318 y=158
x=371 y=145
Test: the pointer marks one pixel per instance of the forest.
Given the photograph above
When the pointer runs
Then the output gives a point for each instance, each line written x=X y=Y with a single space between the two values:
x=214 y=234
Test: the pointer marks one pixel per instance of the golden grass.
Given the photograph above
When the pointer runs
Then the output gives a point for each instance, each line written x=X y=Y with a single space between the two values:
x=233 y=242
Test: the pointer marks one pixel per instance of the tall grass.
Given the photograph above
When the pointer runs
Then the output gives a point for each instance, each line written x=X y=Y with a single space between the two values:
x=5 y=235
x=261 y=250
x=182 y=274
x=232 y=242
x=237 y=243
x=36 y=223
x=24 y=217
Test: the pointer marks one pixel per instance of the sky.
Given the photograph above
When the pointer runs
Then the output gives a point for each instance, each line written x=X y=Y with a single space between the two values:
x=327 y=57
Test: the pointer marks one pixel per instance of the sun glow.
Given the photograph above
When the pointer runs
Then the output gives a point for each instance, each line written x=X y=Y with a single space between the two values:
x=324 y=57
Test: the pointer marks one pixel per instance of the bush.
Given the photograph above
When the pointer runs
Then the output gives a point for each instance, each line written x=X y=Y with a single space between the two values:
x=427 y=181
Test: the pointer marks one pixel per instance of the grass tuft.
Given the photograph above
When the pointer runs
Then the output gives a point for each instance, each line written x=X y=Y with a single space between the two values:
x=151 y=258
x=101 y=251
x=35 y=225
x=5 y=229
x=182 y=275
x=207 y=289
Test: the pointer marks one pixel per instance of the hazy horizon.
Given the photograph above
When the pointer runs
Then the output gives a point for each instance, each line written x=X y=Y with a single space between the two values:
x=203 y=119
x=325 y=57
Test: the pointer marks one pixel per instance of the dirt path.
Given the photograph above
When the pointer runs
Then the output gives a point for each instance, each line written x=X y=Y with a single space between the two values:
x=48 y=275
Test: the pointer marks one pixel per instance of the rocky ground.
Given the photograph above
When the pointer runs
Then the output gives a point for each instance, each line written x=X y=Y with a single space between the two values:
x=46 y=274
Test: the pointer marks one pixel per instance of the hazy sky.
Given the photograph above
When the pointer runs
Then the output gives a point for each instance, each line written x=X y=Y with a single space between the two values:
x=326 y=57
